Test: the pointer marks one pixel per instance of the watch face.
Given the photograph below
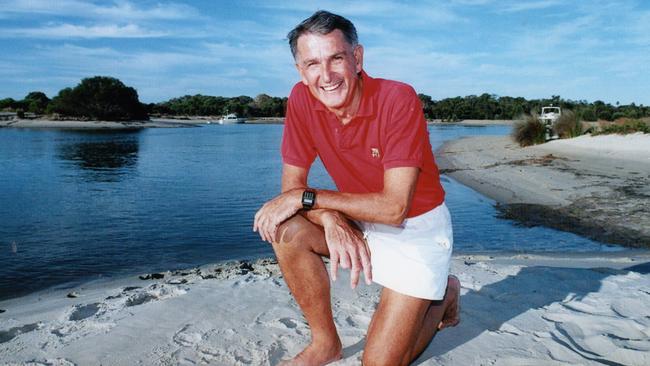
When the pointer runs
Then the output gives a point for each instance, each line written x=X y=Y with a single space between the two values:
x=308 y=199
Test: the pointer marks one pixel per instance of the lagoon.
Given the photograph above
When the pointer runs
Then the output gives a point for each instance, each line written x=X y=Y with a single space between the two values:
x=83 y=205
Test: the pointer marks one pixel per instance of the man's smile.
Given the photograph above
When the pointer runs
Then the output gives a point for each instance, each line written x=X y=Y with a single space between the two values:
x=332 y=87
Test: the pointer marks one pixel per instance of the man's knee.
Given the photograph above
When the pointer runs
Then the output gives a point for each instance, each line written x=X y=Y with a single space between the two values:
x=290 y=235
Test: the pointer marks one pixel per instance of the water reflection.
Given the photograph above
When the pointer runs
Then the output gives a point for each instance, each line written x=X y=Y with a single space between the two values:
x=107 y=159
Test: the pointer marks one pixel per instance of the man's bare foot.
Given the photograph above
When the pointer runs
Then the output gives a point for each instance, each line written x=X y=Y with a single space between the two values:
x=315 y=355
x=451 y=318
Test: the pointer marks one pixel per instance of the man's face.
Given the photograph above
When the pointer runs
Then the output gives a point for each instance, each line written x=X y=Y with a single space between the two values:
x=329 y=65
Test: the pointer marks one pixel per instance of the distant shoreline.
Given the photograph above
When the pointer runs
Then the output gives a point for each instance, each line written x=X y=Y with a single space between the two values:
x=100 y=125
x=193 y=121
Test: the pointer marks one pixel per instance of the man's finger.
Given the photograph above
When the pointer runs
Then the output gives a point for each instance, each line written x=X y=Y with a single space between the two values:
x=366 y=264
x=345 y=260
x=257 y=216
x=334 y=264
x=355 y=272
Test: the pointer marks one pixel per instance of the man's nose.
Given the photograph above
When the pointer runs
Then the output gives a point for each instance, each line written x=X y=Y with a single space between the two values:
x=326 y=72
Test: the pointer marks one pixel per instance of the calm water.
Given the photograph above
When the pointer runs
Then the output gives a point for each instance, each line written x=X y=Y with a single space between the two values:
x=76 y=206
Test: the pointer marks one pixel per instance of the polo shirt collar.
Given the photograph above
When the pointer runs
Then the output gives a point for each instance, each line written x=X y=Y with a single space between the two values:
x=367 y=104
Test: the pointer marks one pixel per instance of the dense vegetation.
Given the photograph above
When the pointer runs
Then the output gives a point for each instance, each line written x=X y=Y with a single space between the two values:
x=99 y=98
x=628 y=126
x=489 y=106
x=108 y=98
x=204 y=105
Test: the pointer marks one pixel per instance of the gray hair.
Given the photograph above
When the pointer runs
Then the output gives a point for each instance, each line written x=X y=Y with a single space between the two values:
x=322 y=22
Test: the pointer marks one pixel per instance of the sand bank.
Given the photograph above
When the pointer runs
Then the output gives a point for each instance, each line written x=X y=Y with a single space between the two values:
x=516 y=310
x=101 y=125
x=474 y=122
x=594 y=186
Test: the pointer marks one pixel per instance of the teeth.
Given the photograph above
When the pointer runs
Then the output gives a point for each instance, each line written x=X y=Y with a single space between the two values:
x=331 y=87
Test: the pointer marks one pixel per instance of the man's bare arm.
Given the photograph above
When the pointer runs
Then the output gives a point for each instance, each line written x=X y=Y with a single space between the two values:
x=345 y=242
x=390 y=206
x=294 y=177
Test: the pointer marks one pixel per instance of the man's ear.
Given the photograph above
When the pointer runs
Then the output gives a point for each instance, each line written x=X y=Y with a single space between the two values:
x=358 y=57
x=302 y=75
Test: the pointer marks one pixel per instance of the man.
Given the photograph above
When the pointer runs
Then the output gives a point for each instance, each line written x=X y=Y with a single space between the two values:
x=387 y=219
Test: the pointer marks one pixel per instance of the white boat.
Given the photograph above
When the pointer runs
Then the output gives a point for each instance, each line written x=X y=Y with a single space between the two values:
x=230 y=119
x=549 y=116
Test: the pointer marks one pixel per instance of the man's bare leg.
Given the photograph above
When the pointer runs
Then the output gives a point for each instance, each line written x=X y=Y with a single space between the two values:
x=403 y=326
x=299 y=247
x=450 y=317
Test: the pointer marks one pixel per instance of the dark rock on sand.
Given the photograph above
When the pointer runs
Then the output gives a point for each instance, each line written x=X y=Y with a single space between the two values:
x=152 y=276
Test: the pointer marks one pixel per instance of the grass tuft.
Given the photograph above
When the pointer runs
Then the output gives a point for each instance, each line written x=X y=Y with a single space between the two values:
x=529 y=130
x=568 y=125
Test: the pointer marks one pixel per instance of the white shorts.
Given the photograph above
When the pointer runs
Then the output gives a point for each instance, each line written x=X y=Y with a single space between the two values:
x=413 y=258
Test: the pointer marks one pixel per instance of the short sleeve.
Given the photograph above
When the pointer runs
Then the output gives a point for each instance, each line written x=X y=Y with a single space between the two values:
x=298 y=148
x=406 y=132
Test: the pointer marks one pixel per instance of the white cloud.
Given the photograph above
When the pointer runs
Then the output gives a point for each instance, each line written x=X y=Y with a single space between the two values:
x=119 y=10
x=82 y=31
x=520 y=6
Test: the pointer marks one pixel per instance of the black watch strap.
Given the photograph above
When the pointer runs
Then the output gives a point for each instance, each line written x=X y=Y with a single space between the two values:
x=308 y=199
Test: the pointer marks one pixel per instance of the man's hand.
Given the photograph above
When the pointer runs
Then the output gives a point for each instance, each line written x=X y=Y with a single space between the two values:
x=347 y=247
x=275 y=211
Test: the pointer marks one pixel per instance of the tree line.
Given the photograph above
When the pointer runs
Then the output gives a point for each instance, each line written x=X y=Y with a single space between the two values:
x=490 y=106
x=107 y=98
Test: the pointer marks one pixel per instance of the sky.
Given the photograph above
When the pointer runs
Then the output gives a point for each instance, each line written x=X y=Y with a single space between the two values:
x=581 y=50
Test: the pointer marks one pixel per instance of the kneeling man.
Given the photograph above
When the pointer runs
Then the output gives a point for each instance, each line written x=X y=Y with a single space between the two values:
x=388 y=219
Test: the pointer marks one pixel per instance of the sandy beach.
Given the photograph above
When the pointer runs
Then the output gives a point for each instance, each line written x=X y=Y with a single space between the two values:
x=594 y=186
x=473 y=122
x=516 y=310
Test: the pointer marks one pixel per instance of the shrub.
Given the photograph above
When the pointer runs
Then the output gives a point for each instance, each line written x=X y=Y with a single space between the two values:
x=589 y=115
x=568 y=125
x=628 y=126
x=529 y=130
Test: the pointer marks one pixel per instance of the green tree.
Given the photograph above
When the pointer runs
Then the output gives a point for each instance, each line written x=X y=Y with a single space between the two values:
x=7 y=104
x=99 y=98
x=36 y=102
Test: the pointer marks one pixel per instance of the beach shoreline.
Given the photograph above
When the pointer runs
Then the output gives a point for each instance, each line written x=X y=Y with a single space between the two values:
x=593 y=186
x=101 y=125
x=192 y=121
x=587 y=308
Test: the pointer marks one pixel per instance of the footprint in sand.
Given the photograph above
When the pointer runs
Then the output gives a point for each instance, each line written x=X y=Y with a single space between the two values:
x=186 y=337
x=7 y=335
x=81 y=312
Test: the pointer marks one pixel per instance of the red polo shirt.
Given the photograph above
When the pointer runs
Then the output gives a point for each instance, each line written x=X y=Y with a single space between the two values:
x=388 y=131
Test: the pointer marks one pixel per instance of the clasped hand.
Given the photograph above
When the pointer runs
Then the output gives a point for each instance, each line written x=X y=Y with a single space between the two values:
x=275 y=211
x=346 y=245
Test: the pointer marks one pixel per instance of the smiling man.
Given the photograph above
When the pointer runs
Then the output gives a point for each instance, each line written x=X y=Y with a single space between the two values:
x=387 y=220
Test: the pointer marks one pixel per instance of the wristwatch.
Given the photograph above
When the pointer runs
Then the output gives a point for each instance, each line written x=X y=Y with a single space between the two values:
x=308 y=199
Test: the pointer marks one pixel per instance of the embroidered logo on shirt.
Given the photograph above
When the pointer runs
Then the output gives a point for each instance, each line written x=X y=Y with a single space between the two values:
x=374 y=152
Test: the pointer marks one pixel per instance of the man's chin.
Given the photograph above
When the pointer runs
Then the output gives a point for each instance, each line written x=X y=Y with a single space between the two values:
x=332 y=103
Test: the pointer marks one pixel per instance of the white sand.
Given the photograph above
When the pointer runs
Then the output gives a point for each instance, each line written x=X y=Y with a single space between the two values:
x=633 y=147
x=516 y=310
